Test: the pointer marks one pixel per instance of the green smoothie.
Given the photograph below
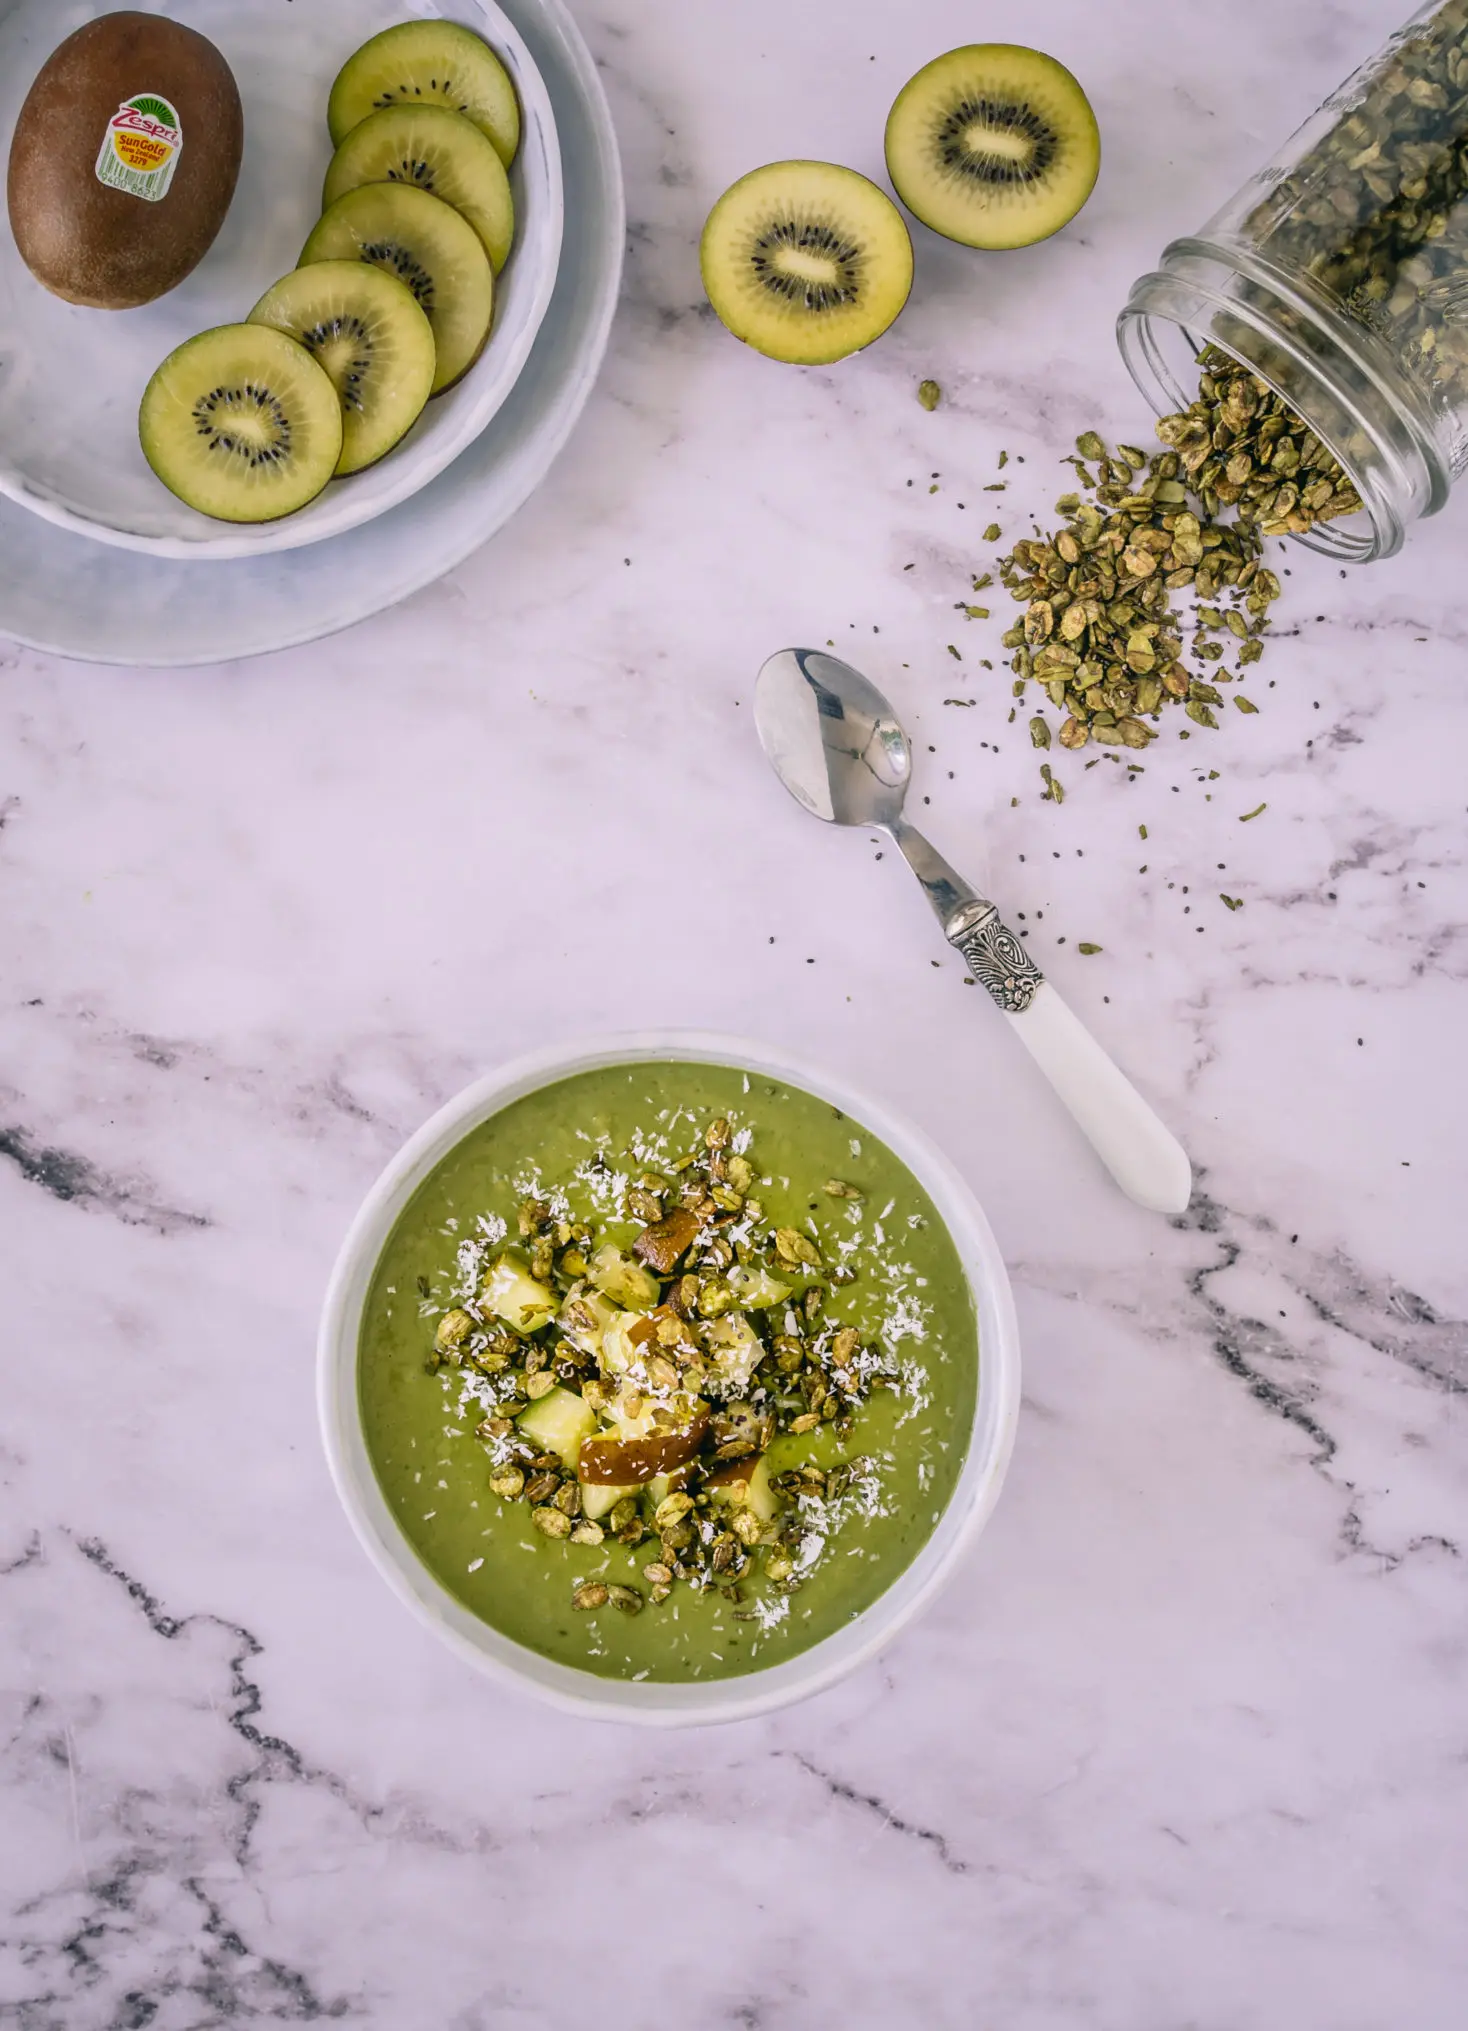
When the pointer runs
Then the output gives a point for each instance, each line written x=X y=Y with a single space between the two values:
x=667 y=1371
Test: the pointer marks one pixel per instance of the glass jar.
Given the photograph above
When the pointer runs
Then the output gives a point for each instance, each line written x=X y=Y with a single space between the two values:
x=1339 y=275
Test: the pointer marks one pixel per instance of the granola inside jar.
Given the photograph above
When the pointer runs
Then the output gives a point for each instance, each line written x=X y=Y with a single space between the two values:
x=1339 y=275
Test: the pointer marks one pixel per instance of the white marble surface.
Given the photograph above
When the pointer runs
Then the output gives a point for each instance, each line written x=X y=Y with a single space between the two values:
x=1183 y=1746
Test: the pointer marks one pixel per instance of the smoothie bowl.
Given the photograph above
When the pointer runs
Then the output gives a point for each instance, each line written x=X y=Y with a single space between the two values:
x=667 y=1378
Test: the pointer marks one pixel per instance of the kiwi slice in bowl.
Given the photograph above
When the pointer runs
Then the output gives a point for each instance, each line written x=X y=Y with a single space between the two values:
x=993 y=145
x=806 y=261
x=427 y=246
x=366 y=329
x=242 y=424
x=434 y=63
x=430 y=148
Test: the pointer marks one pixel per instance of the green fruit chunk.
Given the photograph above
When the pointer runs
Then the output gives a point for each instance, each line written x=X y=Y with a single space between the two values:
x=993 y=145
x=429 y=148
x=756 y=1289
x=428 y=63
x=558 y=1424
x=367 y=331
x=242 y=424
x=626 y=1282
x=598 y=1501
x=431 y=249
x=515 y=1296
x=745 y=1484
x=806 y=262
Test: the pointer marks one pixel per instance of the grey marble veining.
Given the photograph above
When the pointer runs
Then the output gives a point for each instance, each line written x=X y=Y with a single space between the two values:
x=1183 y=1746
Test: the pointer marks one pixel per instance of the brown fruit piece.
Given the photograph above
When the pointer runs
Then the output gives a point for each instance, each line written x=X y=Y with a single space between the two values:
x=628 y=1463
x=664 y=1244
x=112 y=202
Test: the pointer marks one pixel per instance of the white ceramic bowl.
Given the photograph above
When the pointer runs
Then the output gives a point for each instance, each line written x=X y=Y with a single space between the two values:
x=71 y=379
x=582 y=1692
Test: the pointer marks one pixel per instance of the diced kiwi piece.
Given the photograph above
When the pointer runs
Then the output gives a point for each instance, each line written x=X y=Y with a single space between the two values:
x=805 y=261
x=558 y=1423
x=598 y=1500
x=618 y=1351
x=429 y=148
x=431 y=249
x=242 y=424
x=746 y=1485
x=756 y=1289
x=428 y=63
x=993 y=145
x=734 y=1348
x=626 y=1282
x=517 y=1297
x=585 y=1316
x=367 y=331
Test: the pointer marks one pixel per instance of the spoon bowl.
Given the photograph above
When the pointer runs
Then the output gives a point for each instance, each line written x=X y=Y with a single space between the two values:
x=832 y=739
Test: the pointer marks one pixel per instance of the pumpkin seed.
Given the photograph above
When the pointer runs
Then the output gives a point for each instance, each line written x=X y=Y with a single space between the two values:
x=453 y=1330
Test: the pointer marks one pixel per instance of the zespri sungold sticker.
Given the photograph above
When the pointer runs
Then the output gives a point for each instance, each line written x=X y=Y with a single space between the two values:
x=141 y=147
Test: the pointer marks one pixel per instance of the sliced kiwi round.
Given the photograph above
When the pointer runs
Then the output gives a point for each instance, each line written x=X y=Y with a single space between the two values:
x=366 y=329
x=428 y=247
x=805 y=261
x=428 y=63
x=242 y=424
x=993 y=145
x=429 y=148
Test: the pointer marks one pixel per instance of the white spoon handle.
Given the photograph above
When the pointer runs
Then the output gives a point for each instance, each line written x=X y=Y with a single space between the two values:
x=1146 y=1160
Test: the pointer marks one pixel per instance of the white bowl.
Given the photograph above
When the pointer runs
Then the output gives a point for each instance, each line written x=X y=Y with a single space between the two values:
x=582 y=1692
x=71 y=379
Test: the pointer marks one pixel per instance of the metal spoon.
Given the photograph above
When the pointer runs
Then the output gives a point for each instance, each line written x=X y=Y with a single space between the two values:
x=837 y=746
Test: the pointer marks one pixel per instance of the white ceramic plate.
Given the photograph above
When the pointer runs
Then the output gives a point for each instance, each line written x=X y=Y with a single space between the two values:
x=63 y=593
x=582 y=1692
x=71 y=379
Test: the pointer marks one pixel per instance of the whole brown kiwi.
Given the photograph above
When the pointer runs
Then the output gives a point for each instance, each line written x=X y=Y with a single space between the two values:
x=87 y=240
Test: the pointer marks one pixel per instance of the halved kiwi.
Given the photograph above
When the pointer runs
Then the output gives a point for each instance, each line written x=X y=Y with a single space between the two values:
x=993 y=145
x=367 y=331
x=242 y=424
x=805 y=261
x=429 y=148
x=430 y=248
x=435 y=63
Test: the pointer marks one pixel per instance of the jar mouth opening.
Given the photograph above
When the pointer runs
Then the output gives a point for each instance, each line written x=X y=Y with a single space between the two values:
x=1160 y=352
x=1324 y=368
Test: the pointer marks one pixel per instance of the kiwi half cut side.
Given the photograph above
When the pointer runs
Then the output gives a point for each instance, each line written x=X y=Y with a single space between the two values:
x=806 y=261
x=428 y=63
x=366 y=329
x=429 y=148
x=993 y=145
x=429 y=248
x=242 y=424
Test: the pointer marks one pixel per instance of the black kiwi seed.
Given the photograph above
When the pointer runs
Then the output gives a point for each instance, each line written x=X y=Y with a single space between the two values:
x=398 y=261
x=987 y=166
x=846 y=259
x=356 y=370
x=222 y=438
